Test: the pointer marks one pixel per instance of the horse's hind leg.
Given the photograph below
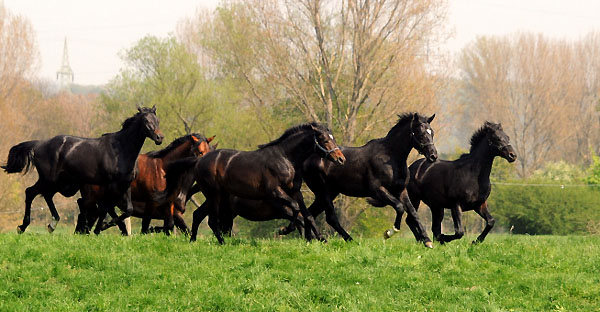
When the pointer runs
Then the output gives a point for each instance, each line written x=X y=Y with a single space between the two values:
x=30 y=194
x=459 y=229
x=53 y=211
x=332 y=219
x=489 y=222
x=199 y=215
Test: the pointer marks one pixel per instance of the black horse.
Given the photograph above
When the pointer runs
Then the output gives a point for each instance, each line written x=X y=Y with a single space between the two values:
x=271 y=173
x=65 y=163
x=462 y=184
x=377 y=169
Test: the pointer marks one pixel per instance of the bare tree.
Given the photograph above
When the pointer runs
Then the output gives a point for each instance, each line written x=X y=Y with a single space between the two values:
x=527 y=82
x=350 y=64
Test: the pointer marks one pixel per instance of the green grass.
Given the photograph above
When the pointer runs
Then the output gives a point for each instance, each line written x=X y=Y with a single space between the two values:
x=63 y=272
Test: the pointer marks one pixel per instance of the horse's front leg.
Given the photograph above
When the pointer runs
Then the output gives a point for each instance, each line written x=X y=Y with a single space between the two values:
x=418 y=228
x=169 y=223
x=383 y=195
x=489 y=221
x=410 y=221
x=180 y=223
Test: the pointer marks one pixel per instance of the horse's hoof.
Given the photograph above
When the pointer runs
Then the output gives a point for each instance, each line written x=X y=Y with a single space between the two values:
x=429 y=245
x=281 y=231
x=52 y=226
x=387 y=234
x=19 y=230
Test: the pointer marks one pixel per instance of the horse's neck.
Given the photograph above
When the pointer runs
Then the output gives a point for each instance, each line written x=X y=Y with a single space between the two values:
x=298 y=148
x=130 y=142
x=398 y=143
x=482 y=160
x=179 y=152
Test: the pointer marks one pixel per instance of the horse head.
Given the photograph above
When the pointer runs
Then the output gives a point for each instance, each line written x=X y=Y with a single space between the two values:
x=151 y=124
x=201 y=145
x=422 y=136
x=325 y=142
x=499 y=142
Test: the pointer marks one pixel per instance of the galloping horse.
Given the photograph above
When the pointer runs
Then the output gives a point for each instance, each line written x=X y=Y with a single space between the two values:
x=271 y=173
x=66 y=163
x=462 y=184
x=377 y=170
x=150 y=178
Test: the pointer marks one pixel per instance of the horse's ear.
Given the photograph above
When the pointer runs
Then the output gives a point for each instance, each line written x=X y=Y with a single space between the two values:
x=194 y=138
x=139 y=108
x=430 y=119
x=153 y=109
x=415 y=116
x=214 y=146
x=211 y=138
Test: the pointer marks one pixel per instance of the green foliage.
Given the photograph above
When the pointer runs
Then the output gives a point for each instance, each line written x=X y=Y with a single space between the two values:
x=545 y=209
x=158 y=273
x=160 y=71
x=560 y=171
x=593 y=174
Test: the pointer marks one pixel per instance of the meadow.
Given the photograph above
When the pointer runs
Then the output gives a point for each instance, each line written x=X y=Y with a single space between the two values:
x=65 y=272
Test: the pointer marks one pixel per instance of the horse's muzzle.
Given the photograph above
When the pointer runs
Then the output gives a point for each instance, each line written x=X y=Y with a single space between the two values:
x=509 y=154
x=157 y=137
x=338 y=157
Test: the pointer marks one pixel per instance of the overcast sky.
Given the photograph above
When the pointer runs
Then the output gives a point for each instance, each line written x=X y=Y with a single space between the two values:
x=98 y=30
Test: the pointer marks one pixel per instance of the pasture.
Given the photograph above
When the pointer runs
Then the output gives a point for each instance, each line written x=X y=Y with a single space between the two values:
x=65 y=272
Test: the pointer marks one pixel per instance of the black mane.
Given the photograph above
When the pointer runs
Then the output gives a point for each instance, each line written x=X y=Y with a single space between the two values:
x=480 y=134
x=131 y=120
x=403 y=119
x=291 y=131
x=177 y=142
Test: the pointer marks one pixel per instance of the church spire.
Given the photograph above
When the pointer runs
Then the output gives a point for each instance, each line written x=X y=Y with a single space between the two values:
x=64 y=75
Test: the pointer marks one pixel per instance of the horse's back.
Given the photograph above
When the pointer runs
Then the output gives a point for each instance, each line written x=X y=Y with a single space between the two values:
x=443 y=183
x=351 y=179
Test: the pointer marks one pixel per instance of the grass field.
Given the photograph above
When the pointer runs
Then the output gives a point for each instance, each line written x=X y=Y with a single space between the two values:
x=64 y=272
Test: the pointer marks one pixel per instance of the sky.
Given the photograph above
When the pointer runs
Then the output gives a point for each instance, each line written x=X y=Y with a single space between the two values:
x=97 y=31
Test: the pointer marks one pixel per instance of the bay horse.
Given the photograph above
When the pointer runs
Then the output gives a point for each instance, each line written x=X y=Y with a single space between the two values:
x=462 y=184
x=66 y=163
x=150 y=178
x=377 y=170
x=272 y=173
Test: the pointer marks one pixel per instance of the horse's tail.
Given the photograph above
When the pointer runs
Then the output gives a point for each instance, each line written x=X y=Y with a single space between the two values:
x=180 y=177
x=20 y=157
x=376 y=202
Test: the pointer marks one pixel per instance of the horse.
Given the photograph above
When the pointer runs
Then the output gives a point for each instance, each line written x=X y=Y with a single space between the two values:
x=66 y=163
x=377 y=170
x=460 y=185
x=150 y=178
x=271 y=173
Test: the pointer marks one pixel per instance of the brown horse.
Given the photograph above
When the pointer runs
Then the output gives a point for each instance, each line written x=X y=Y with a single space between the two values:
x=150 y=178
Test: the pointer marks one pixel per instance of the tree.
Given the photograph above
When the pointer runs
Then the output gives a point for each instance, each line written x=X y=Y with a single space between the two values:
x=526 y=82
x=350 y=64
x=160 y=72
